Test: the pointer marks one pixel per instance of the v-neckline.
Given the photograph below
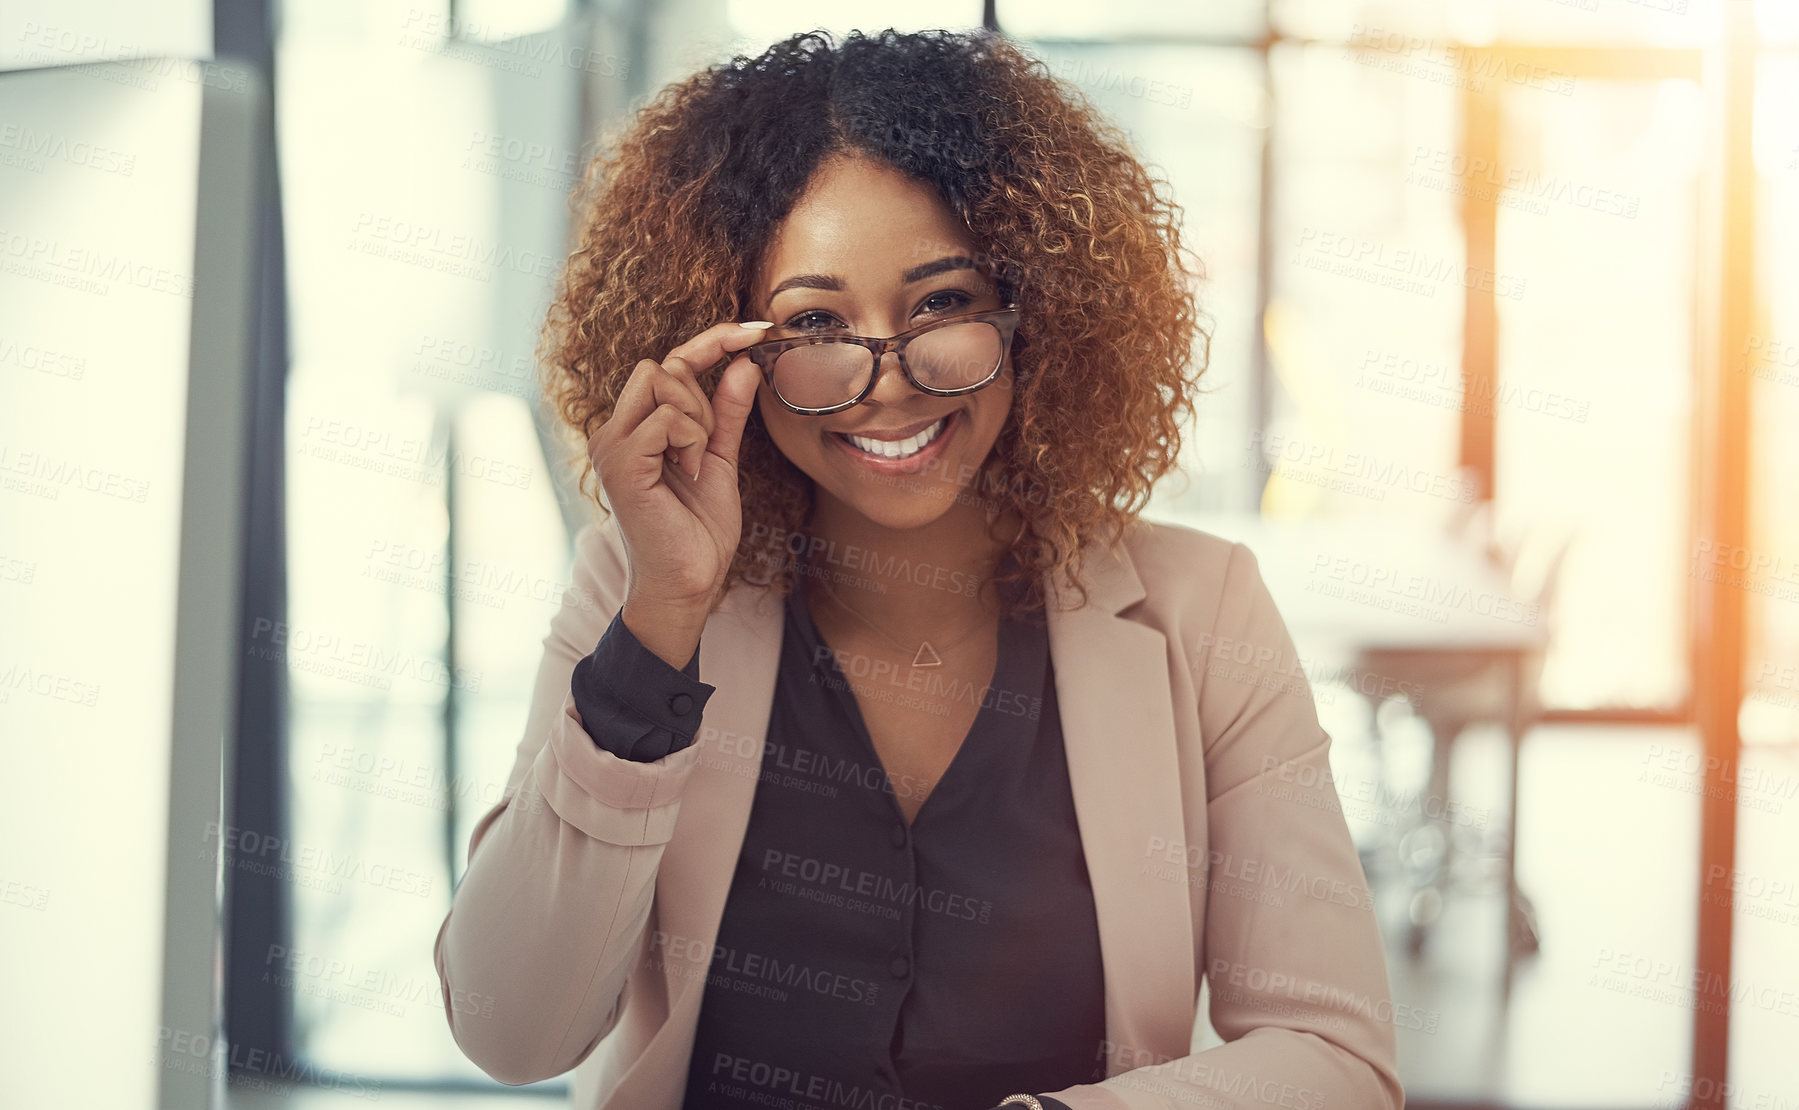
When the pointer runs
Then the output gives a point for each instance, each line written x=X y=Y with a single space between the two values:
x=1006 y=663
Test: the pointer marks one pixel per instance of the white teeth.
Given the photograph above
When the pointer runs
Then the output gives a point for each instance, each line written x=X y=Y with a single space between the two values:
x=899 y=448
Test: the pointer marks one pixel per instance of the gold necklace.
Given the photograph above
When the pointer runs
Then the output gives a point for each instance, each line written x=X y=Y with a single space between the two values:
x=926 y=655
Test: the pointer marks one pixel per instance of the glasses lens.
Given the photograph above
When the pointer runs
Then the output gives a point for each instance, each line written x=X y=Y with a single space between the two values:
x=821 y=375
x=957 y=356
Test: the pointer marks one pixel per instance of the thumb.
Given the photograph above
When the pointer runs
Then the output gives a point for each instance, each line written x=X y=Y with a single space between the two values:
x=731 y=404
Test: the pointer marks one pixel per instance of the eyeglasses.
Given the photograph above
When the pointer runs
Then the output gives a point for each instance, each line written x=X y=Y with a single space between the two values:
x=819 y=374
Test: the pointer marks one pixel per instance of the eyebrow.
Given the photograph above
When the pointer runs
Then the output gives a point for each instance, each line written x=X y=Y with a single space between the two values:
x=917 y=273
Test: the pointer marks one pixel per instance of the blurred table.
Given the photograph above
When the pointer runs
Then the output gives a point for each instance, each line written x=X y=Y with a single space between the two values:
x=1403 y=600
x=1346 y=584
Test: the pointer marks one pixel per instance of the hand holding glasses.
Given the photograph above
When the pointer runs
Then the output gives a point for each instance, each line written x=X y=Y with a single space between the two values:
x=666 y=458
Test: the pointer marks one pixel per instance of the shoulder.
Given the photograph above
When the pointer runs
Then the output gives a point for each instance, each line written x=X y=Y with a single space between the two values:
x=1181 y=566
x=1198 y=586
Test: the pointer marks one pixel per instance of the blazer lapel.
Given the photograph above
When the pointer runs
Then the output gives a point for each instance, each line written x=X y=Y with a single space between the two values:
x=1118 y=732
x=740 y=651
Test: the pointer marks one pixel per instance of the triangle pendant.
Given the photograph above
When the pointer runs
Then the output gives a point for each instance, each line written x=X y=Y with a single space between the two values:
x=926 y=657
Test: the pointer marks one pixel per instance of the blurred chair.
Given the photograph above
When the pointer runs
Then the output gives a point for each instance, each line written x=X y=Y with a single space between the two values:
x=1438 y=854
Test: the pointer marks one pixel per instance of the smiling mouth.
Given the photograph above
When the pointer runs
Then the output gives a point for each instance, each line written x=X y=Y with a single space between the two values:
x=895 y=449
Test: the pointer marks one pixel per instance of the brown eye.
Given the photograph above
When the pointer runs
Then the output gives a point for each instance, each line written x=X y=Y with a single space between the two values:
x=947 y=300
x=811 y=321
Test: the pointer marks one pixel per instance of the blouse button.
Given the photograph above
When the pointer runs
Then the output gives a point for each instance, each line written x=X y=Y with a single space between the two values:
x=680 y=703
x=900 y=966
x=899 y=835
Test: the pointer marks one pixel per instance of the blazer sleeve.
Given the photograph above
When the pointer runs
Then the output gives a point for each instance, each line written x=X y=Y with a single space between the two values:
x=1298 y=977
x=545 y=926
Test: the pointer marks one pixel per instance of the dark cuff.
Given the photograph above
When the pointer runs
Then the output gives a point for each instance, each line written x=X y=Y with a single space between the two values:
x=634 y=704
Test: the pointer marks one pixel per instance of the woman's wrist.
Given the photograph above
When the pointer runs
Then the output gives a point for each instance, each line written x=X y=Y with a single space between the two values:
x=671 y=632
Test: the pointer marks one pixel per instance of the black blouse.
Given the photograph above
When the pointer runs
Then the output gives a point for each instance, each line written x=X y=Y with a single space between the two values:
x=862 y=961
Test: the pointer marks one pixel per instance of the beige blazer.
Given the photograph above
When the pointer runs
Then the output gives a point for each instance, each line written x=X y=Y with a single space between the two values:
x=1211 y=827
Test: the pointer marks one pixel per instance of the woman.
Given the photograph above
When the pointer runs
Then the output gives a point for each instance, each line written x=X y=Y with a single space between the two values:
x=986 y=772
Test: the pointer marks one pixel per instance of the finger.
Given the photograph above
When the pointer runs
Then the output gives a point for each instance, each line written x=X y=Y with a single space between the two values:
x=666 y=430
x=678 y=376
x=678 y=369
x=650 y=386
x=637 y=399
x=731 y=404
x=706 y=348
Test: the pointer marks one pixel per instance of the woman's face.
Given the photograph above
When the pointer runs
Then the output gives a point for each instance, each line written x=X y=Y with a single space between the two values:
x=867 y=251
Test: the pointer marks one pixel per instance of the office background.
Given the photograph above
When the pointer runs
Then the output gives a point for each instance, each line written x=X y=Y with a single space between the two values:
x=1504 y=303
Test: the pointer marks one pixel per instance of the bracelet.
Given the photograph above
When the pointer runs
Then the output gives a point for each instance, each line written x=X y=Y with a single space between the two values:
x=1028 y=1100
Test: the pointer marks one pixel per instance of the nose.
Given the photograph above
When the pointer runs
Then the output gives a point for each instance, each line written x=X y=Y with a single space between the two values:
x=891 y=385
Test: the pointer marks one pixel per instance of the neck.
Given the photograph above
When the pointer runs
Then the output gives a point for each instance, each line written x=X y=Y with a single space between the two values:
x=914 y=584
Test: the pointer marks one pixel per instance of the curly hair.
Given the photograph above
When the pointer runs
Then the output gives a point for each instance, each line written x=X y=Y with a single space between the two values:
x=678 y=207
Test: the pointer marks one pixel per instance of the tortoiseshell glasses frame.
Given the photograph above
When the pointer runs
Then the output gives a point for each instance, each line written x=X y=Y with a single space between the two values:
x=1003 y=320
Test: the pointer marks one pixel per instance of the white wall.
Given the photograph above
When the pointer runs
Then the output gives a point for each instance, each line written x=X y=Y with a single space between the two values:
x=98 y=171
